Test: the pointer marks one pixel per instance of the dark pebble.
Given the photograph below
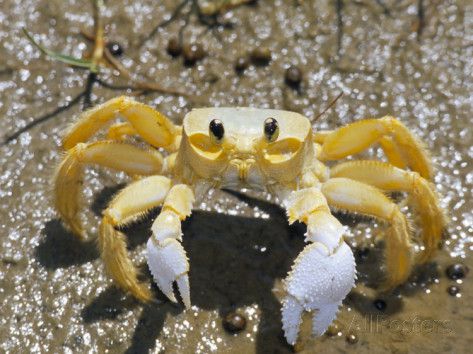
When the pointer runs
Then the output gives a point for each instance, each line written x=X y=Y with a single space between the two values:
x=352 y=338
x=115 y=48
x=453 y=290
x=241 y=64
x=193 y=52
x=380 y=304
x=234 y=322
x=261 y=56
x=174 y=47
x=211 y=77
x=457 y=271
x=363 y=253
x=333 y=330
x=293 y=76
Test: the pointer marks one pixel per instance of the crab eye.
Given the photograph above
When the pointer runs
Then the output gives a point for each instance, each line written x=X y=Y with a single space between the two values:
x=216 y=130
x=271 y=129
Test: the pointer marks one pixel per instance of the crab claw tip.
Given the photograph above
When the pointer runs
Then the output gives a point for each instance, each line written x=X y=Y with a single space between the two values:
x=291 y=318
x=318 y=282
x=183 y=286
x=168 y=263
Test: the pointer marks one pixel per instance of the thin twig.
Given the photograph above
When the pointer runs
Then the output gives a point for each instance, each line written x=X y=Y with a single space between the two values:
x=143 y=87
x=44 y=118
x=420 y=18
x=124 y=72
x=339 y=8
x=327 y=108
x=89 y=86
x=164 y=23
x=97 y=54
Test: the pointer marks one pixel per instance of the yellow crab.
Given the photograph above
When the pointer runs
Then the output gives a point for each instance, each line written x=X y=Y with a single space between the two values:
x=271 y=150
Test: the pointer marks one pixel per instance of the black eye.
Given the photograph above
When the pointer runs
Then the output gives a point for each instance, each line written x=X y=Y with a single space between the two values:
x=216 y=130
x=271 y=129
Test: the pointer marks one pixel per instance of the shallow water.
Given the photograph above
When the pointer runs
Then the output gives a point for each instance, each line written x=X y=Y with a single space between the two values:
x=383 y=55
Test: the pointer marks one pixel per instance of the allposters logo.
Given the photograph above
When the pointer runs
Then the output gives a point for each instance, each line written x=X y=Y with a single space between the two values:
x=379 y=323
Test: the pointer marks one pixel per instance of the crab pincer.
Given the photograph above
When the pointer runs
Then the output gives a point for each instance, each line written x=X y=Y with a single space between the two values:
x=323 y=273
x=166 y=257
x=318 y=281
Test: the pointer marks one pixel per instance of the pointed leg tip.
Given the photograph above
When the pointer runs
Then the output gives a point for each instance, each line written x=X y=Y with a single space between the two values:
x=143 y=294
x=76 y=229
x=184 y=291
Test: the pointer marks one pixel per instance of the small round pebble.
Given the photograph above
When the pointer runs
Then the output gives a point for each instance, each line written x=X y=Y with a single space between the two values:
x=363 y=253
x=453 y=290
x=193 y=52
x=115 y=48
x=352 y=338
x=174 y=47
x=333 y=330
x=234 y=322
x=261 y=56
x=380 y=304
x=456 y=271
x=241 y=64
x=293 y=76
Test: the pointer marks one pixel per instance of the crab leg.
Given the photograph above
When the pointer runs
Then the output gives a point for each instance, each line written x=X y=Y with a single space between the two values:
x=383 y=175
x=156 y=129
x=131 y=203
x=167 y=258
x=404 y=149
x=354 y=196
x=115 y=155
x=119 y=131
x=324 y=272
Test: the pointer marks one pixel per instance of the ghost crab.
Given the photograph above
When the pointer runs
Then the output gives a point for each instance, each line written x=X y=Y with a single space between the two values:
x=271 y=150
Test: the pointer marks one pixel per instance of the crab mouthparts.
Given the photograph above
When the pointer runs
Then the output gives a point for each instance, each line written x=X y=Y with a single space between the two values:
x=243 y=167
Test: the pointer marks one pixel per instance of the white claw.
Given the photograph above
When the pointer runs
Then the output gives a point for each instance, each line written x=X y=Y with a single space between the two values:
x=323 y=318
x=291 y=318
x=183 y=286
x=318 y=282
x=168 y=263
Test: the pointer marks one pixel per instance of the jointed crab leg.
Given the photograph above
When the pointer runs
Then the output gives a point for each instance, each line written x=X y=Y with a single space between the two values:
x=127 y=206
x=356 y=137
x=152 y=126
x=119 y=156
x=390 y=178
x=167 y=258
x=354 y=196
x=119 y=131
x=392 y=152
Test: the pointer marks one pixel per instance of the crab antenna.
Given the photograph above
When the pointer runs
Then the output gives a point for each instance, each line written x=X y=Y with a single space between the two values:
x=328 y=107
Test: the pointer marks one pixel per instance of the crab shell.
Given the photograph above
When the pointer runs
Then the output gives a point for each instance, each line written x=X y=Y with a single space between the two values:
x=244 y=157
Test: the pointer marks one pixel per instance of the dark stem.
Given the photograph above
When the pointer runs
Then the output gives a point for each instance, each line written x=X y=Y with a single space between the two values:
x=421 y=18
x=165 y=23
x=89 y=86
x=44 y=118
x=328 y=107
x=339 y=8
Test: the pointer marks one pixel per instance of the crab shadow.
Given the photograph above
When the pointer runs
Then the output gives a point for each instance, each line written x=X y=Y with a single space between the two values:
x=234 y=262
